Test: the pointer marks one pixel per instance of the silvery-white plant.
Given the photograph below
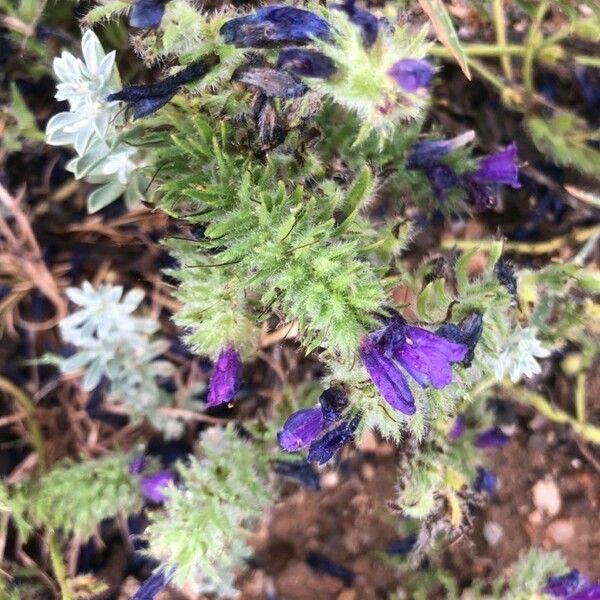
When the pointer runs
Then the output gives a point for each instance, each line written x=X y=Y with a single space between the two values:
x=114 y=344
x=94 y=127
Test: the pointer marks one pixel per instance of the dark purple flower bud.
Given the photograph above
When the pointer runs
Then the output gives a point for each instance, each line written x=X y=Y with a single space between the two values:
x=564 y=586
x=301 y=429
x=467 y=332
x=482 y=196
x=273 y=83
x=458 y=428
x=147 y=99
x=425 y=355
x=506 y=276
x=154 y=584
x=387 y=377
x=402 y=546
x=491 y=438
x=322 y=564
x=153 y=486
x=367 y=22
x=147 y=13
x=299 y=470
x=412 y=74
x=226 y=378
x=429 y=152
x=325 y=448
x=333 y=403
x=306 y=63
x=501 y=167
x=442 y=178
x=275 y=26
x=137 y=464
x=486 y=481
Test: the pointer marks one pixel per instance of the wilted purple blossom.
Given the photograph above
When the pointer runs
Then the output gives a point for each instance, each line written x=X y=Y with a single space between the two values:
x=505 y=273
x=147 y=13
x=323 y=564
x=412 y=74
x=275 y=26
x=467 y=332
x=491 y=438
x=367 y=22
x=226 y=378
x=154 y=584
x=299 y=470
x=153 y=486
x=333 y=402
x=301 y=429
x=137 y=464
x=426 y=153
x=458 y=428
x=486 y=481
x=402 y=546
x=325 y=448
x=147 y=99
x=306 y=63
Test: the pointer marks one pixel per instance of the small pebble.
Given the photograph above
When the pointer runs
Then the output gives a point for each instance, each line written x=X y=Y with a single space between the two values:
x=561 y=531
x=546 y=497
x=330 y=479
x=493 y=533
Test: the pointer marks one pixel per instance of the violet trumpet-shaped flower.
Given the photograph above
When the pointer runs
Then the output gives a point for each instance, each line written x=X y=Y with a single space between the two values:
x=299 y=470
x=387 y=377
x=412 y=74
x=425 y=355
x=367 y=22
x=500 y=167
x=429 y=152
x=467 y=332
x=326 y=447
x=153 y=486
x=333 y=402
x=275 y=26
x=491 y=438
x=147 y=99
x=458 y=428
x=147 y=14
x=226 y=378
x=301 y=429
x=485 y=482
x=306 y=63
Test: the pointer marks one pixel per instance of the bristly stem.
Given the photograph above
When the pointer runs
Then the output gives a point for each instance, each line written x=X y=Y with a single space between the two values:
x=500 y=26
x=580 y=409
x=533 y=42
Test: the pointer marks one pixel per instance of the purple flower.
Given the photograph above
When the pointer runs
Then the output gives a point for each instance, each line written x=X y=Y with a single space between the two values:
x=325 y=448
x=299 y=470
x=467 y=332
x=442 y=178
x=147 y=13
x=482 y=196
x=147 y=99
x=506 y=276
x=306 y=63
x=572 y=586
x=226 y=378
x=333 y=403
x=153 y=486
x=273 y=83
x=458 y=428
x=154 y=584
x=301 y=429
x=275 y=26
x=367 y=22
x=425 y=355
x=486 y=481
x=491 y=438
x=323 y=564
x=412 y=74
x=500 y=168
x=429 y=152
x=387 y=377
